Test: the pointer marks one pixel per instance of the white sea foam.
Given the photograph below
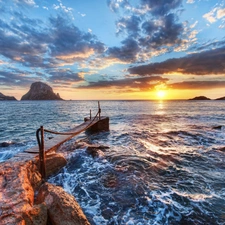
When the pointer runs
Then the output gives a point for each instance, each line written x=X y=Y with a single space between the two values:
x=161 y=168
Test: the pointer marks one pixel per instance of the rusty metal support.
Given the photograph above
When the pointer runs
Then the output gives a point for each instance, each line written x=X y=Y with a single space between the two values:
x=99 y=110
x=42 y=166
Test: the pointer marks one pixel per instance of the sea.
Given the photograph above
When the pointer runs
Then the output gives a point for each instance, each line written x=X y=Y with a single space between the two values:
x=161 y=162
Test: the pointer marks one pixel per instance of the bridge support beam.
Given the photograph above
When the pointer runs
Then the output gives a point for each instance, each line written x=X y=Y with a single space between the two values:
x=101 y=125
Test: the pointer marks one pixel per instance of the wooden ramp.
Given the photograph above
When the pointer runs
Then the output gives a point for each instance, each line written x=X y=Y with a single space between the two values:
x=54 y=143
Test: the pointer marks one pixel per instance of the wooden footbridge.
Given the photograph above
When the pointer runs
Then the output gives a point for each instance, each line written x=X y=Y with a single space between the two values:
x=95 y=124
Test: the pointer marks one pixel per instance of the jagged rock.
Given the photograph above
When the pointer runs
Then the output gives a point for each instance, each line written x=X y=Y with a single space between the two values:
x=19 y=179
x=40 y=91
x=200 y=98
x=62 y=207
x=17 y=183
x=37 y=215
x=6 y=98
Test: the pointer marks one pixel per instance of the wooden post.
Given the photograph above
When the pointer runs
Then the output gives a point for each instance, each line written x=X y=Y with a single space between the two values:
x=42 y=155
x=99 y=110
x=90 y=114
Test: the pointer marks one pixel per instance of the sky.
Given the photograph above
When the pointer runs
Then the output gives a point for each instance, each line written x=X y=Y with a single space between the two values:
x=113 y=49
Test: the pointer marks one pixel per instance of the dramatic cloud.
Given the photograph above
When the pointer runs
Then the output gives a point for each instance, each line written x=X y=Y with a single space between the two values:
x=163 y=32
x=28 y=42
x=198 y=64
x=221 y=13
x=64 y=76
x=210 y=16
x=69 y=44
x=15 y=77
x=130 y=25
x=215 y=14
x=63 y=8
x=198 y=85
x=161 y=7
x=114 y=5
x=157 y=30
x=127 y=53
x=66 y=44
x=23 y=41
x=143 y=83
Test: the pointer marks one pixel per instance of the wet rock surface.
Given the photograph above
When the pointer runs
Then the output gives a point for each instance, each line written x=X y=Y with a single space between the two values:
x=54 y=162
x=17 y=183
x=62 y=207
x=20 y=180
x=6 y=144
x=38 y=215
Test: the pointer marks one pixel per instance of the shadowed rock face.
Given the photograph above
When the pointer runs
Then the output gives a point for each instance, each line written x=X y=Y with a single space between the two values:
x=40 y=91
x=17 y=183
x=6 y=98
x=19 y=180
x=63 y=209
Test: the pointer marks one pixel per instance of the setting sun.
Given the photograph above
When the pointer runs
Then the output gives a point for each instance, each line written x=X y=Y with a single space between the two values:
x=161 y=94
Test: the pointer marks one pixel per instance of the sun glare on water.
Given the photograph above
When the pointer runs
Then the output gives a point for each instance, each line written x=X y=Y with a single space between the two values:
x=161 y=94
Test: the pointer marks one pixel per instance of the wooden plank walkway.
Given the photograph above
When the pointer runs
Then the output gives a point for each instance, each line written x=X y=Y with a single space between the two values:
x=54 y=143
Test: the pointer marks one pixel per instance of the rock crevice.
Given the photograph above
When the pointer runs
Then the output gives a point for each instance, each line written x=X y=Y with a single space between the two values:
x=20 y=180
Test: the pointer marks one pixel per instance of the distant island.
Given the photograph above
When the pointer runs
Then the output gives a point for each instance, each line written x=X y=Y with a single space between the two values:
x=40 y=91
x=222 y=98
x=7 y=98
x=200 y=98
x=205 y=98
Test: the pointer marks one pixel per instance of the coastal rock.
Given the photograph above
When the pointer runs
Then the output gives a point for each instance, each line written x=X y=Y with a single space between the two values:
x=6 y=98
x=96 y=150
x=200 y=98
x=6 y=144
x=19 y=179
x=62 y=207
x=54 y=162
x=17 y=183
x=37 y=215
x=40 y=91
x=222 y=149
x=218 y=127
x=222 y=98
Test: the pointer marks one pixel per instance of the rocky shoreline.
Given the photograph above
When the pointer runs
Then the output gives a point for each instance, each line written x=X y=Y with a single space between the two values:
x=25 y=199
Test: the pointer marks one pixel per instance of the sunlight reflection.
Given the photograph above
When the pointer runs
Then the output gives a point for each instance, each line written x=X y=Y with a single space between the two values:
x=150 y=146
x=160 y=108
x=198 y=197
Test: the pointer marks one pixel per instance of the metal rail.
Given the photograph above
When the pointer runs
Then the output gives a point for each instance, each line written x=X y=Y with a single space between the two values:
x=41 y=143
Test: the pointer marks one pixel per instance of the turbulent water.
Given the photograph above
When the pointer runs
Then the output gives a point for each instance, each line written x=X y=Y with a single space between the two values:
x=165 y=161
